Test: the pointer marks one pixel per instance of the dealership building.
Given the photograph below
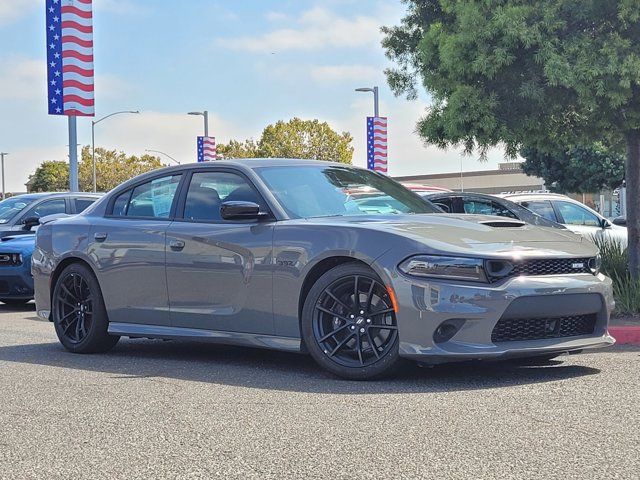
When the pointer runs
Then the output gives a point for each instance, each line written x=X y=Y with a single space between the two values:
x=508 y=178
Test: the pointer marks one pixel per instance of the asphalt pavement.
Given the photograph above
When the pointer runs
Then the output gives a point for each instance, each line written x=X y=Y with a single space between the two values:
x=158 y=409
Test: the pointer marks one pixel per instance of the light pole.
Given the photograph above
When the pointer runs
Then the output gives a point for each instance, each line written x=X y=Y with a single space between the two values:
x=375 y=98
x=93 y=141
x=162 y=153
x=205 y=114
x=2 y=154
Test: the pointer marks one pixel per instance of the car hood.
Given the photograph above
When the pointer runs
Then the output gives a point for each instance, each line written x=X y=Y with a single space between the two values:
x=473 y=234
x=18 y=243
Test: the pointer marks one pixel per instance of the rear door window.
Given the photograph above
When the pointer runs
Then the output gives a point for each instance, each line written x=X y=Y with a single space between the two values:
x=83 y=203
x=542 y=208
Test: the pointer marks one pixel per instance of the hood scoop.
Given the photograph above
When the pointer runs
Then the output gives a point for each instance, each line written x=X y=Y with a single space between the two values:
x=503 y=223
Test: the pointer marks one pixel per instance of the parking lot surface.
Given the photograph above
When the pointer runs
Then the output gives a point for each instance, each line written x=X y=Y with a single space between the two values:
x=155 y=409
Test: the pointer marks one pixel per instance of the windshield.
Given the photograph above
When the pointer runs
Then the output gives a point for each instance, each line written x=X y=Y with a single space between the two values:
x=10 y=207
x=323 y=191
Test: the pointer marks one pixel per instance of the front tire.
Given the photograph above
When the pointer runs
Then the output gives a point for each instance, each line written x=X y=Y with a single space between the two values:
x=349 y=324
x=79 y=314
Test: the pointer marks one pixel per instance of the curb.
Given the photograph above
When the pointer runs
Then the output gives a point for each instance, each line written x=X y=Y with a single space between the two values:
x=625 y=335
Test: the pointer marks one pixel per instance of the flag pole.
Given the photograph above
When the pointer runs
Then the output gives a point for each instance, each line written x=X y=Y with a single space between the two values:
x=73 y=154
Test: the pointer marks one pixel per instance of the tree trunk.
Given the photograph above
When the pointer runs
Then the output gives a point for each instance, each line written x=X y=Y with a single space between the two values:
x=632 y=176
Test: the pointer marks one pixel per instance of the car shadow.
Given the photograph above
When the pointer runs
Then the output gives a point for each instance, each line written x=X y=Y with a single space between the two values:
x=264 y=369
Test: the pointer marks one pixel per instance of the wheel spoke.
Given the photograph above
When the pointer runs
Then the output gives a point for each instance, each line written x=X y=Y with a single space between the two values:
x=370 y=295
x=341 y=344
x=372 y=344
x=382 y=312
x=68 y=292
x=344 y=305
x=359 y=348
x=71 y=322
x=356 y=294
x=384 y=327
x=326 y=310
x=333 y=332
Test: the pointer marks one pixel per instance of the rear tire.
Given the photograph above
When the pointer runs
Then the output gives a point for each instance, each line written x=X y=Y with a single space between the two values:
x=353 y=335
x=78 y=312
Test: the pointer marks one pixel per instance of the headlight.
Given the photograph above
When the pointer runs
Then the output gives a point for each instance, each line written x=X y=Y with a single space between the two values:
x=454 y=268
x=595 y=263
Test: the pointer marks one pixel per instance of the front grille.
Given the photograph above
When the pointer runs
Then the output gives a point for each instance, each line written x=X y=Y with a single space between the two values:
x=518 y=329
x=552 y=266
x=10 y=259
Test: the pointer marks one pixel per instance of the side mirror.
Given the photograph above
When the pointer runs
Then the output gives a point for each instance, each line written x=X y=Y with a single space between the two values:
x=604 y=223
x=30 y=222
x=622 y=221
x=236 y=210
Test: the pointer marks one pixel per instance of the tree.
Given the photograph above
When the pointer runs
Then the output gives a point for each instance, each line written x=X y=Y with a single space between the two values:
x=576 y=170
x=50 y=176
x=235 y=149
x=516 y=73
x=295 y=139
x=112 y=168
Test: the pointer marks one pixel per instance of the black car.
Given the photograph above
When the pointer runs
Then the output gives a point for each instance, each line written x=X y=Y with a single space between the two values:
x=483 y=204
x=21 y=213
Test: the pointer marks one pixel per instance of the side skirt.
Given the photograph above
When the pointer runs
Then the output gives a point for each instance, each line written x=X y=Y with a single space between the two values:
x=289 y=344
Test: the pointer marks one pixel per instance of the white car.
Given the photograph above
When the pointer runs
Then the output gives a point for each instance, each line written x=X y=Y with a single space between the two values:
x=576 y=216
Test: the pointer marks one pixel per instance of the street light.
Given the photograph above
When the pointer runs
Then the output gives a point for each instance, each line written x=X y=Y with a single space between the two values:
x=93 y=140
x=2 y=154
x=162 y=153
x=205 y=114
x=375 y=97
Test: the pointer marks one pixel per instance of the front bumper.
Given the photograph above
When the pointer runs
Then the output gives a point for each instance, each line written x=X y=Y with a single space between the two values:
x=16 y=282
x=424 y=305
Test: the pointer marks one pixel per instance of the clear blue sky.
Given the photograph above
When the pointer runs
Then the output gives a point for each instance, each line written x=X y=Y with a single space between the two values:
x=249 y=63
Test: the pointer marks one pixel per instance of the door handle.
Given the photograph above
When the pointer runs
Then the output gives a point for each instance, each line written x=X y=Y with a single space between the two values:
x=176 y=245
x=100 y=236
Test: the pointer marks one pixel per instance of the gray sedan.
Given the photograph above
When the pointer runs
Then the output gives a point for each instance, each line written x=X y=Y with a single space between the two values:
x=296 y=255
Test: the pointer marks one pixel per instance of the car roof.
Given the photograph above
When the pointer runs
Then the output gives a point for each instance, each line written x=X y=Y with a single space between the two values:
x=533 y=196
x=38 y=195
x=463 y=194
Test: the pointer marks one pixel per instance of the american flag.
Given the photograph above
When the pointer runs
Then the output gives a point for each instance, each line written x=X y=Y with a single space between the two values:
x=70 y=57
x=377 y=144
x=206 y=149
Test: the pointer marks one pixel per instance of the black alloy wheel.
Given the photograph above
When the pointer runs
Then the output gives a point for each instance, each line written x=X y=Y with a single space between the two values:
x=353 y=325
x=78 y=311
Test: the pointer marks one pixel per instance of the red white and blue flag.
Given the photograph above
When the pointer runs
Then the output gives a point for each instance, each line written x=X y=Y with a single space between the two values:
x=206 y=149
x=377 y=144
x=70 y=57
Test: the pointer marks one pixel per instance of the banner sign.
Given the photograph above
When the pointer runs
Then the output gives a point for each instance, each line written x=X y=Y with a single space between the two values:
x=206 y=149
x=70 y=57
x=377 y=144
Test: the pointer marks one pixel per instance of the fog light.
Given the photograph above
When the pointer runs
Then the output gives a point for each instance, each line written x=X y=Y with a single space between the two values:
x=447 y=329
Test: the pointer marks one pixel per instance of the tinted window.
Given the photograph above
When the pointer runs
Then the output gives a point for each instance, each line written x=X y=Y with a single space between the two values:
x=328 y=190
x=542 y=208
x=120 y=205
x=573 y=214
x=151 y=200
x=444 y=204
x=10 y=207
x=207 y=190
x=486 y=207
x=48 y=207
x=83 y=203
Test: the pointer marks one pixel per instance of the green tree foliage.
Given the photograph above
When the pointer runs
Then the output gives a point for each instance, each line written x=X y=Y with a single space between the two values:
x=520 y=73
x=112 y=168
x=294 y=139
x=576 y=170
x=50 y=176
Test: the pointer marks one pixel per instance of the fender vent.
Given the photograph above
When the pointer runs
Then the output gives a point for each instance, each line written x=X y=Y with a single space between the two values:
x=503 y=223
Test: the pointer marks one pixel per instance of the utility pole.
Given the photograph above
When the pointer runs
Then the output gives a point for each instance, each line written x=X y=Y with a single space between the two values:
x=2 y=154
x=376 y=112
x=73 y=154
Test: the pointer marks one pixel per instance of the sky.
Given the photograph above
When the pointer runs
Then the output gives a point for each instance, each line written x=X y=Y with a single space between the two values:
x=248 y=62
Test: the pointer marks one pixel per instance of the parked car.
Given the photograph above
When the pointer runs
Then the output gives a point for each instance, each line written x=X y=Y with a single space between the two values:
x=483 y=204
x=276 y=253
x=16 y=247
x=20 y=214
x=576 y=216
